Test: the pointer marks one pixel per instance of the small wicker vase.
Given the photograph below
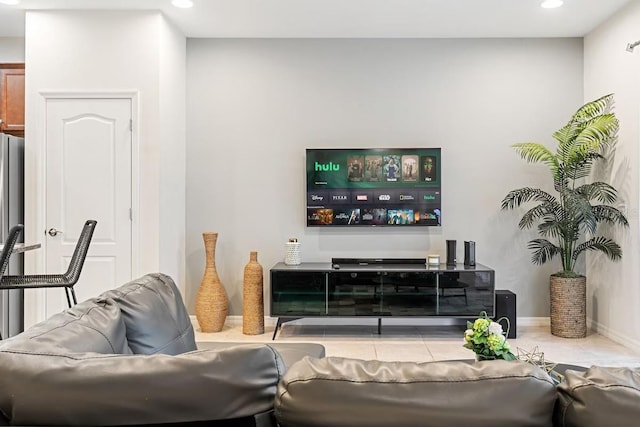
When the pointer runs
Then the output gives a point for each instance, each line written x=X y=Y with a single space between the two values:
x=211 y=301
x=568 y=307
x=252 y=300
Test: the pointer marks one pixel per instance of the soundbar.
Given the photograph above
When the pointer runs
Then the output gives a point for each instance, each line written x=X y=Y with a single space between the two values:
x=377 y=261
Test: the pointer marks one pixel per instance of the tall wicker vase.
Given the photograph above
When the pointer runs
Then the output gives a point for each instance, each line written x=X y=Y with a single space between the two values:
x=211 y=301
x=568 y=307
x=252 y=300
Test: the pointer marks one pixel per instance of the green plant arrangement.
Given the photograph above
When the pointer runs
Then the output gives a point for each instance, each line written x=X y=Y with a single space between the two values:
x=568 y=220
x=487 y=339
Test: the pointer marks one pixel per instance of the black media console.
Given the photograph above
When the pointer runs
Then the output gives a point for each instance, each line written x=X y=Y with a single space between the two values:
x=380 y=290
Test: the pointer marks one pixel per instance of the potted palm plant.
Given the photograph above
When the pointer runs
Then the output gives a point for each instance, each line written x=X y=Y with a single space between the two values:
x=568 y=218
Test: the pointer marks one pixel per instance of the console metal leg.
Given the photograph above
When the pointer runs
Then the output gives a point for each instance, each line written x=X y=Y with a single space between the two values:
x=281 y=321
x=275 y=331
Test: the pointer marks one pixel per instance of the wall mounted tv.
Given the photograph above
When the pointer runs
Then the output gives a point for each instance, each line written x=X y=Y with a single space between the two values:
x=373 y=187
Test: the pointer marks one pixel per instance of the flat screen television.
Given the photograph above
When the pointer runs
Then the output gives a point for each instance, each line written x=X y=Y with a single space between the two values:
x=373 y=187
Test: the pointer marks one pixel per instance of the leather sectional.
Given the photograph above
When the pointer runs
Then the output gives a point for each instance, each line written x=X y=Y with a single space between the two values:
x=129 y=357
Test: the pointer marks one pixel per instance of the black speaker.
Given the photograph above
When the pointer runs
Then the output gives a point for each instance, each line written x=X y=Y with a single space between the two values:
x=451 y=252
x=470 y=253
x=506 y=307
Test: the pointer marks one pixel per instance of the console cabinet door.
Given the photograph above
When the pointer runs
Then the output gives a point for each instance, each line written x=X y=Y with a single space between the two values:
x=406 y=294
x=298 y=293
x=354 y=294
x=382 y=293
x=12 y=99
x=466 y=293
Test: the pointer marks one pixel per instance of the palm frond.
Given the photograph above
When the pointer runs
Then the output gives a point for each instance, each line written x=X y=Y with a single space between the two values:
x=534 y=152
x=601 y=244
x=527 y=194
x=580 y=211
x=565 y=134
x=600 y=191
x=538 y=212
x=599 y=133
x=560 y=182
x=592 y=109
x=590 y=129
x=610 y=215
x=566 y=137
x=569 y=231
x=578 y=168
x=551 y=227
x=543 y=251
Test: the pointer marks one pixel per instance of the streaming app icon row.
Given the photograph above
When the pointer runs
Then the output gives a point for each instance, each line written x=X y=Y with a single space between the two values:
x=372 y=216
x=324 y=198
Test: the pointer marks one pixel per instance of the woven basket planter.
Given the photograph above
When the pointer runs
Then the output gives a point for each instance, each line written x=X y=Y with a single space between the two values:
x=568 y=307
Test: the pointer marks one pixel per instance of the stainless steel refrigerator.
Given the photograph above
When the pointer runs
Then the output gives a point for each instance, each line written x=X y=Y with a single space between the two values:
x=11 y=213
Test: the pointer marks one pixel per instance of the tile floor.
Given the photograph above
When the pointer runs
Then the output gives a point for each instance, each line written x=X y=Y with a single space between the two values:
x=430 y=343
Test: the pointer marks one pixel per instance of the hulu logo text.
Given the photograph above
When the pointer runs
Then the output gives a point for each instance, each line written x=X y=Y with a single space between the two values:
x=327 y=167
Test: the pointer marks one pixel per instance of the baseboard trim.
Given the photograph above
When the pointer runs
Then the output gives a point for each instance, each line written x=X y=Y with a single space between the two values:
x=534 y=321
x=235 y=320
x=607 y=332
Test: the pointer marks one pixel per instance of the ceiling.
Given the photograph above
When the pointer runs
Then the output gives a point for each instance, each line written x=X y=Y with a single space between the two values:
x=352 y=18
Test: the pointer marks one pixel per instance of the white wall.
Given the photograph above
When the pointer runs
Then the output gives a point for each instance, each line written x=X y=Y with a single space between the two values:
x=613 y=291
x=115 y=51
x=11 y=49
x=172 y=149
x=253 y=106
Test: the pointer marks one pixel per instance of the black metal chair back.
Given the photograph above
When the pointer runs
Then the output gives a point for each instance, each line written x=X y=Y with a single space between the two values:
x=65 y=280
x=80 y=253
x=9 y=244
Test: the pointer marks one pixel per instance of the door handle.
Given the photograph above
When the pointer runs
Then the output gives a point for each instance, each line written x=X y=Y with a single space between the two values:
x=53 y=232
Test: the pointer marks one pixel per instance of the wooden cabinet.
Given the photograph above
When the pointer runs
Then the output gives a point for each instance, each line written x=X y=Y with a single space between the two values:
x=12 y=99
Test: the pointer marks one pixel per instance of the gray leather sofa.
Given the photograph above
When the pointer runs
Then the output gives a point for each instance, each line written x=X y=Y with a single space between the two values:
x=129 y=357
x=599 y=397
x=332 y=392
x=340 y=392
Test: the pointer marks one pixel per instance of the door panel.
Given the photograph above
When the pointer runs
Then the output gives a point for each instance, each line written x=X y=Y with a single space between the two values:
x=88 y=176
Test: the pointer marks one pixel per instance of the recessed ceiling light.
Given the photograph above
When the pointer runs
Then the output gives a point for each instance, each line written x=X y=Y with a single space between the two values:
x=184 y=4
x=10 y=2
x=551 y=4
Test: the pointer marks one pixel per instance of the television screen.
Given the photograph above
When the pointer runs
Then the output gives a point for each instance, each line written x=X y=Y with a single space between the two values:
x=373 y=187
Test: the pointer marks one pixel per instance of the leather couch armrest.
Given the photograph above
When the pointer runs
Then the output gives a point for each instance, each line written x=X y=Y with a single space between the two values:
x=104 y=390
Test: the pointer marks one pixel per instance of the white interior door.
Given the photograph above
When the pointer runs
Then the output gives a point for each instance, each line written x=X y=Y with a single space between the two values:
x=88 y=176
